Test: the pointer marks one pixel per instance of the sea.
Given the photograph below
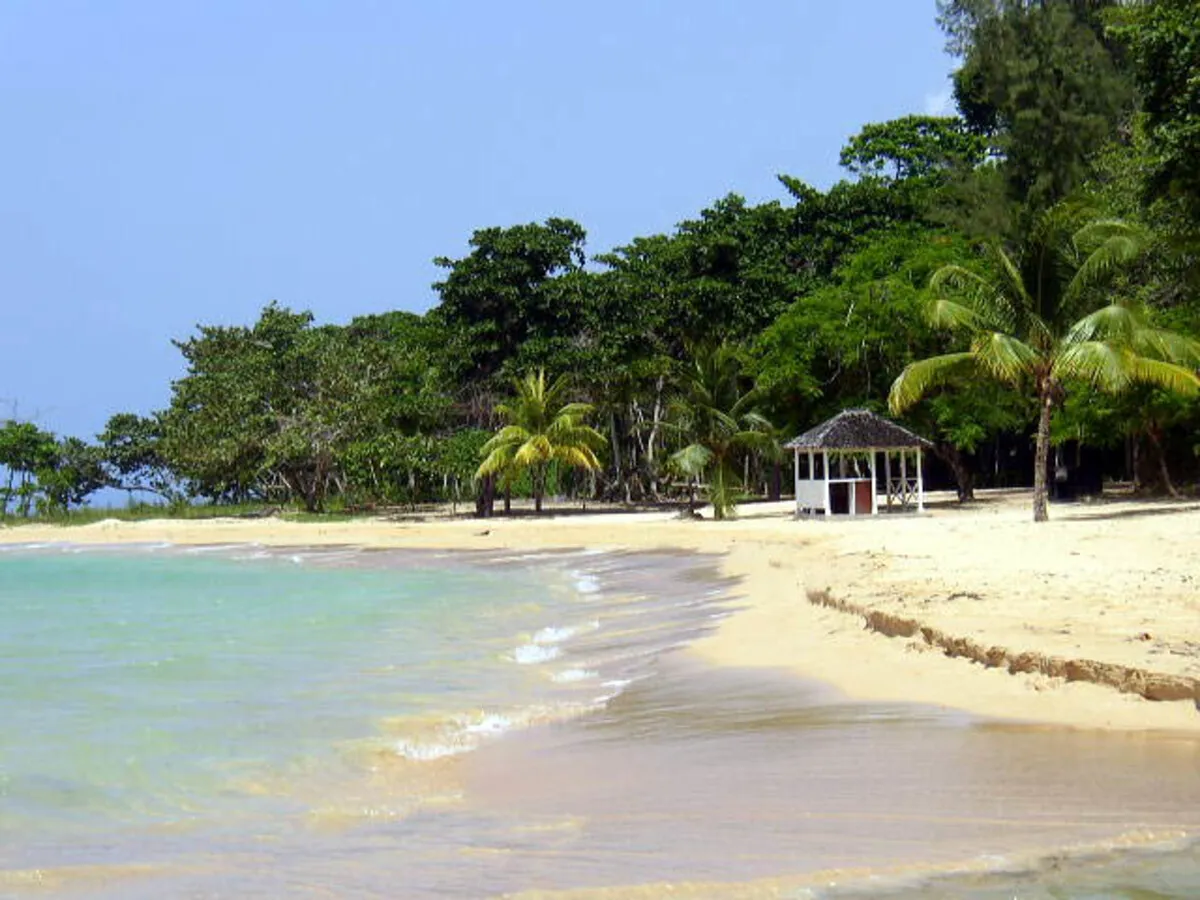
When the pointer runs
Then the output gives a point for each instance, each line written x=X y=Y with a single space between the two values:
x=326 y=722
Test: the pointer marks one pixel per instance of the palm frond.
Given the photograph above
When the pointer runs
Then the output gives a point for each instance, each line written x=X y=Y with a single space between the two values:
x=920 y=377
x=1112 y=245
x=754 y=440
x=950 y=315
x=513 y=435
x=1113 y=322
x=1165 y=375
x=577 y=457
x=1099 y=363
x=692 y=460
x=1012 y=286
x=537 y=449
x=1003 y=356
x=497 y=461
x=1157 y=343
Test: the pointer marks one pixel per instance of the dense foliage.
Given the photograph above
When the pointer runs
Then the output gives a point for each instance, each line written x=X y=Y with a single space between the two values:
x=678 y=360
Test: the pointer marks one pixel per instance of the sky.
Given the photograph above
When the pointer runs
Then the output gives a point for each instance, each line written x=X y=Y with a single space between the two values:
x=167 y=164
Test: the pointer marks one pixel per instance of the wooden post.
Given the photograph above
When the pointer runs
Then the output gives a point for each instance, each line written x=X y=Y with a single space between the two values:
x=825 y=460
x=812 y=470
x=920 y=484
x=796 y=459
x=904 y=479
x=851 y=486
x=887 y=476
x=874 y=489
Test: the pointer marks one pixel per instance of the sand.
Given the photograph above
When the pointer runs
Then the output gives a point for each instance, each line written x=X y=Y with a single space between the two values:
x=1111 y=582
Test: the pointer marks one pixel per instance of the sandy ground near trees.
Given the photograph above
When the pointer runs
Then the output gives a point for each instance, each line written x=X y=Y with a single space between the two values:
x=1109 y=586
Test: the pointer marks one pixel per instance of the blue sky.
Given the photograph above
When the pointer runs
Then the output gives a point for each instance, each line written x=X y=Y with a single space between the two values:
x=171 y=163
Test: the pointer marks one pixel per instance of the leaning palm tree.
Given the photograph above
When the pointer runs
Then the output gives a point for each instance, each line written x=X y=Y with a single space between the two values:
x=540 y=427
x=1043 y=320
x=721 y=423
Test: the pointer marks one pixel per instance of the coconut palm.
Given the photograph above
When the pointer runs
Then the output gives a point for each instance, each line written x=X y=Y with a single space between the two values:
x=540 y=427
x=721 y=423
x=1041 y=320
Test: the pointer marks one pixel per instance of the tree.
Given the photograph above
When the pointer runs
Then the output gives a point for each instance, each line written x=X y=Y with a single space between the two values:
x=25 y=450
x=1039 y=80
x=506 y=292
x=132 y=456
x=1163 y=40
x=720 y=422
x=74 y=472
x=913 y=147
x=540 y=427
x=1038 y=321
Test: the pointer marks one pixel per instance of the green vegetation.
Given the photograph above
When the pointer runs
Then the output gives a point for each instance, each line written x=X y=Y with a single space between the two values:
x=1052 y=227
x=1035 y=326
x=540 y=428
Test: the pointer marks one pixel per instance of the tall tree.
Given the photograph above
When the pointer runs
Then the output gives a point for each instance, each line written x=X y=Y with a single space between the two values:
x=505 y=292
x=1038 y=79
x=1163 y=39
x=913 y=147
x=1041 y=322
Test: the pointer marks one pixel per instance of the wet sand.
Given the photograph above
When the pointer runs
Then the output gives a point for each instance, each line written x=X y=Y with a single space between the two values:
x=704 y=777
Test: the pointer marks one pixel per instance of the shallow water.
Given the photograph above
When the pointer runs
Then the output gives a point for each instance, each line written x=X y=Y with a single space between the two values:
x=237 y=721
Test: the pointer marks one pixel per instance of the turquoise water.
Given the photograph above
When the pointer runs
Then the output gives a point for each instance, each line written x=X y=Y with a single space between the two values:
x=167 y=687
x=242 y=722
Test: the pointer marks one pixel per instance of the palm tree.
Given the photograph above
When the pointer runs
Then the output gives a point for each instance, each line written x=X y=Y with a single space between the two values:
x=1037 y=323
x=540 y=428
x=721 y=423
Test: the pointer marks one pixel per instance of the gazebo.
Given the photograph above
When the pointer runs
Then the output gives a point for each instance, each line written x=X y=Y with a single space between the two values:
x=835 y=465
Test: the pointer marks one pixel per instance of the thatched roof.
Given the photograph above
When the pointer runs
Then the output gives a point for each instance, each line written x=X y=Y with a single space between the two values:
x=857 y=429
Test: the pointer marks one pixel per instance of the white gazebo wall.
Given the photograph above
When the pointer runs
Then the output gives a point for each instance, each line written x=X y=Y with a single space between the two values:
x=817 y=471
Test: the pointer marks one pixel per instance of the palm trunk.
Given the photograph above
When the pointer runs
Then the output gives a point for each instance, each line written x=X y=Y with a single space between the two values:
x=1041 y=456
x=1164 y=474
x=539 y=488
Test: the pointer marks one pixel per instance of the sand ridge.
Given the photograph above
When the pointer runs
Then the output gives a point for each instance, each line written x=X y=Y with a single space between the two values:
x=1112 y=582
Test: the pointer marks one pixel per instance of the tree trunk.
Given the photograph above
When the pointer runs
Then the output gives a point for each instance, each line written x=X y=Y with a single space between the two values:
x=1041 y=456
x=507 y=498
x=964 y=478
x=539 y=488
x=485 y=501
x=8 y=492
x=656 y=419
x=775 y=491
x=1160 y=454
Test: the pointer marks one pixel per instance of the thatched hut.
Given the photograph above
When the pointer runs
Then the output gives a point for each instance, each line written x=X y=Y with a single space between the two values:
x=836 y=465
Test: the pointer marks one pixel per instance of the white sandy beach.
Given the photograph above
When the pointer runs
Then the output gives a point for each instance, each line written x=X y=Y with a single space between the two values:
x=1110 y=582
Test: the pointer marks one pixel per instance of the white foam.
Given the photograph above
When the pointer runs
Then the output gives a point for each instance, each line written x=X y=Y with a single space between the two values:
x=618 y=683
x=491 y=724
x=418 y=751
x=531 y=654
x=587 y=584
x=570 y=676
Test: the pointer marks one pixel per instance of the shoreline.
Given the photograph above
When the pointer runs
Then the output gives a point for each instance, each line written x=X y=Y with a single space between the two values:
x=1108 y=582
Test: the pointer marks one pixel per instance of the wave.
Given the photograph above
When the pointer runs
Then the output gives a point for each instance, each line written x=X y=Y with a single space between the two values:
x=461 y=734
x=532 y=654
